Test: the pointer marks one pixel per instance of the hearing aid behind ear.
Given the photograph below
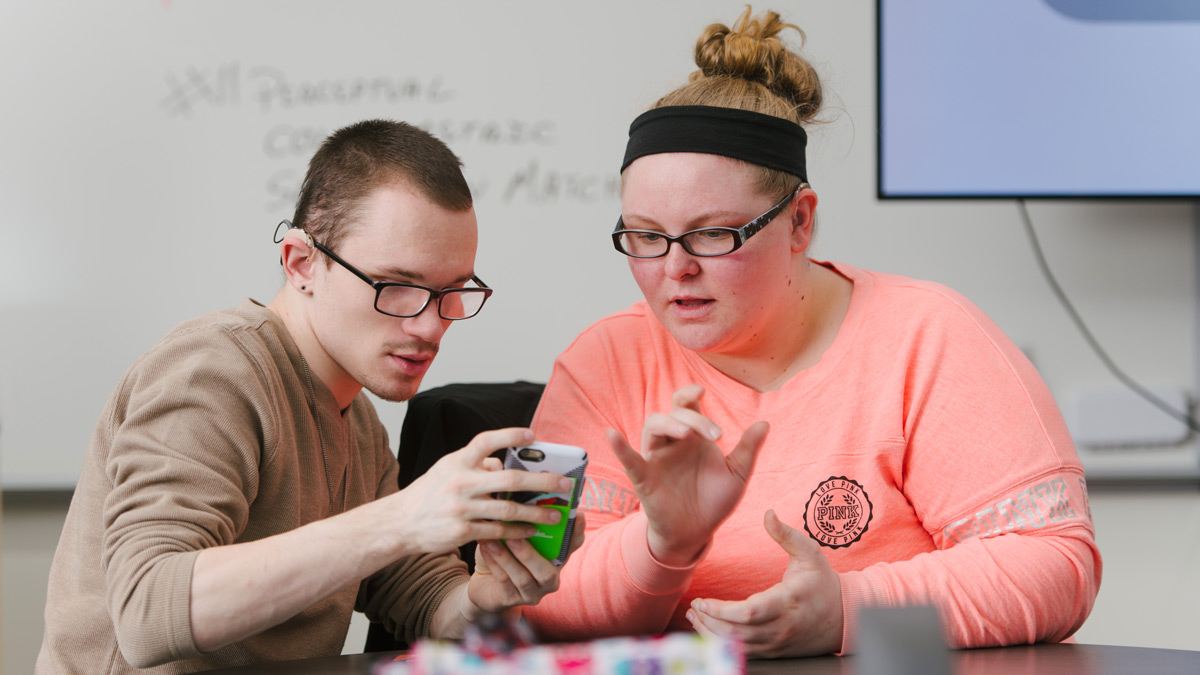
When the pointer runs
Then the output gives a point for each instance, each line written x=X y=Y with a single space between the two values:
x=293 y=232
x=297 y=233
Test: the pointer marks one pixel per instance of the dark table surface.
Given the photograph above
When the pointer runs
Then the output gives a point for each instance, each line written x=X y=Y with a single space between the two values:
x=1075 y=659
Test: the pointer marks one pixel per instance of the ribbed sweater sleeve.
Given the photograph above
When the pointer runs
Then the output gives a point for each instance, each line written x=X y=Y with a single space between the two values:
x=405 y=595
x=998 y=591
x=168 y=501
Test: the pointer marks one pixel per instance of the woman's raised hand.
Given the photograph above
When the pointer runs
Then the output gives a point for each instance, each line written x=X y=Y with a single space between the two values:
x=686 y=484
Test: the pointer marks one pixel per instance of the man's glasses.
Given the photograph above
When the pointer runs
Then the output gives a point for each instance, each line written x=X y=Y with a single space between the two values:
x=706 y=242
x=401 y=299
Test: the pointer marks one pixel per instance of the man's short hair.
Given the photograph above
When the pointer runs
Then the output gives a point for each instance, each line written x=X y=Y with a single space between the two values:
x=359 y=158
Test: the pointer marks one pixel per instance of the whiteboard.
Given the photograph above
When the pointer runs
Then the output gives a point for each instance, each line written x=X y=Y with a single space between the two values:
x=149 y=148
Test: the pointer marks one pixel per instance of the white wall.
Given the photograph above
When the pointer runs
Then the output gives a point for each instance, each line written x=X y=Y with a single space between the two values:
x=1128 y=266
x=151 y=148
x=1150 y=590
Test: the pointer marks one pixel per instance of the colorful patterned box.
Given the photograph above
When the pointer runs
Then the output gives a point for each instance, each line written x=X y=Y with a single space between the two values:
x=671 y=654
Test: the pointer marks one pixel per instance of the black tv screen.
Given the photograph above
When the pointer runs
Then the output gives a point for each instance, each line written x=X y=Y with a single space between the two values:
x=1038 y=98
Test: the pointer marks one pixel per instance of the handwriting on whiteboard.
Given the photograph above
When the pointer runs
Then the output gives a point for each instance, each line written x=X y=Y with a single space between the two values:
x=526 y=177
x=269 y=88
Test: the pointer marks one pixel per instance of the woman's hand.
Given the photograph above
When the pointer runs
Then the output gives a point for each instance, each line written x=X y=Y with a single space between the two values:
x=799 y=616
x=686 y=484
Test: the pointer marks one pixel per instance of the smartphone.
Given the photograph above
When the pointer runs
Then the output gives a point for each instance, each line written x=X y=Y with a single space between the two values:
x=552 y=541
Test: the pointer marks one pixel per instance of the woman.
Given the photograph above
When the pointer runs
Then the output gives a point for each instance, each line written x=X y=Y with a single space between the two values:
x=913 y=454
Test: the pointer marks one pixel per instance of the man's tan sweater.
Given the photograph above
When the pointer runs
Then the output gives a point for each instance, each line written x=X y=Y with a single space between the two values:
x=210 y=439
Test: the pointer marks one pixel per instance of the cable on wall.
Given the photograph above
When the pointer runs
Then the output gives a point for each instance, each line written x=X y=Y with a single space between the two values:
x=1087 y=334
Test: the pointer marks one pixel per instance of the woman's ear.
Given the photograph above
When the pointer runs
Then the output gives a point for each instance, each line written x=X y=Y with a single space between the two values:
x=804 y=214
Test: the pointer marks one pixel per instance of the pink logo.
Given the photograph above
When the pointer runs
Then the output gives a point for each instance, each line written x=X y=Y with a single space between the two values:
x=837 y=512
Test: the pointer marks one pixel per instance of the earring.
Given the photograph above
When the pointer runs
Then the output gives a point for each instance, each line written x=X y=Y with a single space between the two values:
x=304 y=288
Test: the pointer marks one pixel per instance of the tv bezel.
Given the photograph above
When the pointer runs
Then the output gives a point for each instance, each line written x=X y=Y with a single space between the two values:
x=879 y=151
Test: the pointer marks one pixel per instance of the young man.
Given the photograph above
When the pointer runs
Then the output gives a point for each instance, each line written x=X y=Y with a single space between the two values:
x=238 y=499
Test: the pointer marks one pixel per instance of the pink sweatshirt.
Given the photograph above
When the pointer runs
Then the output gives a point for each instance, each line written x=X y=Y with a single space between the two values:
x=923 y=452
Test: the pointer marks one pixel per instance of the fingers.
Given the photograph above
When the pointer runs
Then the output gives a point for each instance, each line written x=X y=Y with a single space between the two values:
x=483 y=560
x=578 y=535
x=489 y=551
x=749 y=634
x=491 y=529
x=715 y=628
x=538 y=572
x=700 y=625
x=760 y=608
x=631 y=461
x=797 y=545
x=688 y=397
x=484 y=444
x=686 y=414
x=745 y=453
x=515 y=480
x=678 y=424
x=504 y=510
x=517 y=564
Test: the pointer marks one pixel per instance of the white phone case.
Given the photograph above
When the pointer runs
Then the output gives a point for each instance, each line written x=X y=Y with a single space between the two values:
x=552 y=541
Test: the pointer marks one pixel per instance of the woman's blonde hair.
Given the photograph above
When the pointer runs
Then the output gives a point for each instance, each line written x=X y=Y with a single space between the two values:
x=748 y=67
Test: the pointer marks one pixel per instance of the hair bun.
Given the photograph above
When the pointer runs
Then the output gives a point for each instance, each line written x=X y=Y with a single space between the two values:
x=753 y=51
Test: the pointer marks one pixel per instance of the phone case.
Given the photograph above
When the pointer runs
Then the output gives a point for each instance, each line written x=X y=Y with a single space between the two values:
x=552 y=541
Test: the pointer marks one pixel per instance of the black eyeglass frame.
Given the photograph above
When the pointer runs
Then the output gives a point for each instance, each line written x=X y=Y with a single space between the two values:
x=740 y=234
x=380 y=286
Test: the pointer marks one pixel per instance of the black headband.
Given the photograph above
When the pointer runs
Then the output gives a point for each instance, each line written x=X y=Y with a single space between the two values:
x=760 y=139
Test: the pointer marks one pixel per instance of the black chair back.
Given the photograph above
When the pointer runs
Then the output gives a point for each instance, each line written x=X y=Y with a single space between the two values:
x=443 y=419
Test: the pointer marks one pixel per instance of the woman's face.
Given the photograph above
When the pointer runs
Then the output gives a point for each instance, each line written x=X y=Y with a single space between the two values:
x=732 y=304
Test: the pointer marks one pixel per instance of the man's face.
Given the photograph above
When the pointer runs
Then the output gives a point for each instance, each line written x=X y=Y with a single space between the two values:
x=399 y=236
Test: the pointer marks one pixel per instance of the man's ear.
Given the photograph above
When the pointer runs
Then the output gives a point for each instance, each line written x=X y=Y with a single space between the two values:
x=296 y=254
x=804 y=213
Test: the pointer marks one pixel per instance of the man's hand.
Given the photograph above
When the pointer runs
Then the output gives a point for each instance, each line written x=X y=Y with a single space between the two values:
x=452 y=503
x=686 y=484
x=448 y=506
x=799 y=616
x=507 y=575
